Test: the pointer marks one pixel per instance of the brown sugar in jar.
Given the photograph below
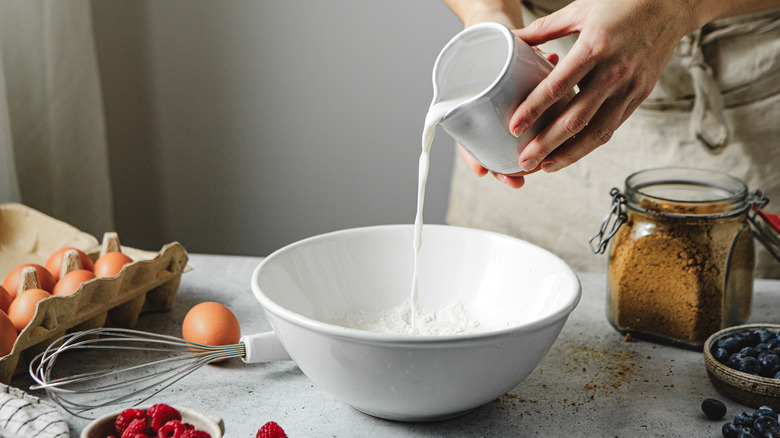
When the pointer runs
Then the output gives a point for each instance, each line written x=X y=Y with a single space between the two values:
x=681 y=264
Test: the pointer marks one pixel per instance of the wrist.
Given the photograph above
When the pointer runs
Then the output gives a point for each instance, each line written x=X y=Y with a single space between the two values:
x=473 y=12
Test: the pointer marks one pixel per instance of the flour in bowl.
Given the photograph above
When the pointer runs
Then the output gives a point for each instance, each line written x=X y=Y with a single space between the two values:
x=451 y=319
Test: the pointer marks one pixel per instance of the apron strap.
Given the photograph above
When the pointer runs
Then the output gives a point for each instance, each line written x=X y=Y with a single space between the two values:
x=708 y=120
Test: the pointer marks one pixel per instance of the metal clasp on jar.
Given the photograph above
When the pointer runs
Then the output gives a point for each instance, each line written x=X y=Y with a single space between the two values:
x=765 y=226
x=612 y=222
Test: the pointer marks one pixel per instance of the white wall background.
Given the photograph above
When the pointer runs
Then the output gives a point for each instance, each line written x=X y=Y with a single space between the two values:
x=240 y=126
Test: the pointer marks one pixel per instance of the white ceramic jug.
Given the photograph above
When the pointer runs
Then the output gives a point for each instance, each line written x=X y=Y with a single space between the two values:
x=497 y=70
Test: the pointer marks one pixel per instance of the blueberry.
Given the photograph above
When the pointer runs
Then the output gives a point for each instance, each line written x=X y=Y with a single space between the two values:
x=762 y=425
x=735 y=360
x=747 y=338
x=721 y=355
x=770 y=365
x=773 y=344
x=765 y=411
x=729 y=430
x=729 y=344
x=749 y=351
x=743 y=420
x=774 y=433
x=762 y=347
x=777 y=375
x=713 y=409
x=746 y=433
x=750 y=365
x=763 y=335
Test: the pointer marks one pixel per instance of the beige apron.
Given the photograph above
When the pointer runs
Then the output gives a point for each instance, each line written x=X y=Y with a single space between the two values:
x=716 y=106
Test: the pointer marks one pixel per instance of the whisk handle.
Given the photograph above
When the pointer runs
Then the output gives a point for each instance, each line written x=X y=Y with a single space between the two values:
x=263 y=347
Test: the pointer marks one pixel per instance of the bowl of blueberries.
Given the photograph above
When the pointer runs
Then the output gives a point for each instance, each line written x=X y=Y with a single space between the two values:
x=743 y=363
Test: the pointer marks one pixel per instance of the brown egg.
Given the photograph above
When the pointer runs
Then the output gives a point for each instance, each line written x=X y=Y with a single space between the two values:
x=211 y=323
x=54 y=264
x=5 y=300
x=7 y=334
x=22 y=308
x=11 y=283
x=70 y=283
x=110 y=264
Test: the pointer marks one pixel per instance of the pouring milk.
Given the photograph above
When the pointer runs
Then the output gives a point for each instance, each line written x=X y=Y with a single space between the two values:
x=435 y=114
x=487 y=71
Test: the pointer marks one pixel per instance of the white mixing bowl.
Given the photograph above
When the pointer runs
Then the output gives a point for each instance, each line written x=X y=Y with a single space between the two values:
x=521 y=295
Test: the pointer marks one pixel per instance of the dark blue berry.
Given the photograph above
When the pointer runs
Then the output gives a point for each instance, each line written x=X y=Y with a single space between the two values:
x=729 y=430
x=750 y=365
x=777 y=375
x=762 y=425
x=749 y=351
x=729 y=344
x=721 y=355
x=747 y=338
x=743 y=420
x=765 y=411
x=773 y=344
x=735 y=360
x=770 y=365
x=764 y=335
x=747 y=433
x=762 y=347
x=713 y=409
x=774 y=433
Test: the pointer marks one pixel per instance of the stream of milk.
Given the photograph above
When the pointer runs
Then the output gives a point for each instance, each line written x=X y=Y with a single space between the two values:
x=451 y=318
x=436 y=113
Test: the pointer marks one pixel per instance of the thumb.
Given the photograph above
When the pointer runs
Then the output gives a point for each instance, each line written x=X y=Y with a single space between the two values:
x=547 y=28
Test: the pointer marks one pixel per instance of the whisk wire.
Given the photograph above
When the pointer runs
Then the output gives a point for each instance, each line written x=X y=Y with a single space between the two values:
x=148 y=378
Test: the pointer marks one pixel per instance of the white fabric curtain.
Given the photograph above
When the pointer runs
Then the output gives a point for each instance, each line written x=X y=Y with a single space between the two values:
x=53 y=152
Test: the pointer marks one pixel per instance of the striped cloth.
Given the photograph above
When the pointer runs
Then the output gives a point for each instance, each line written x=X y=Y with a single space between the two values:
x=25 y=416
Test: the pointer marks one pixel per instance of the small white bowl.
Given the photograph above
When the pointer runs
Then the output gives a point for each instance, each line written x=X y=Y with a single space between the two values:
x=104 y=426
x=521 y=295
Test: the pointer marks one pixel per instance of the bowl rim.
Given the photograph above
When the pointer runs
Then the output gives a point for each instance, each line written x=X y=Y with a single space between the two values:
x=418 y=339
x=710 y=361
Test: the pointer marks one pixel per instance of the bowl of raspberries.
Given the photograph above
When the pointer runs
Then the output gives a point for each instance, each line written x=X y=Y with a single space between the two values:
x=743 y=363
x=156 y=421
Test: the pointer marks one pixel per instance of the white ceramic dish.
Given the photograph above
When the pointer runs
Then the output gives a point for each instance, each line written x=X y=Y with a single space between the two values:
x=306 y=287
x=104 y=426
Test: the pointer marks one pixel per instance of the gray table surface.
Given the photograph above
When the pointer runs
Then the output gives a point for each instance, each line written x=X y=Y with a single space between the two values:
x=592 y=383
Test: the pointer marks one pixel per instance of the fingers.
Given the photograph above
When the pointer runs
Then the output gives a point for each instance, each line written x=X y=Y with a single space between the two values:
x=550 y=27
x=472 y=163
x=512 y=181
x=557 y=85
x=598 y=132
x=515 y=180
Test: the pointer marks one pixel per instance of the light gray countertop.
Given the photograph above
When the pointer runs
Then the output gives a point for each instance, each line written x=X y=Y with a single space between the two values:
x=591 y=383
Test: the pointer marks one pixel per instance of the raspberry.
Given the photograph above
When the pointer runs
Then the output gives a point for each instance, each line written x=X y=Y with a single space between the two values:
x=271 y=430
x=161 y=414
x=135 y=428
x=171 y=429
x=124 y=419
x=192 y=433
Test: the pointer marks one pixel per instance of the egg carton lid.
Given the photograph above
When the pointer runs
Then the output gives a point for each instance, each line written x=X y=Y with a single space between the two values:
x=149 y=284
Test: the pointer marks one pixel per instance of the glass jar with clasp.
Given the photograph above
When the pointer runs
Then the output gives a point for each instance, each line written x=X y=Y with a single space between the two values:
x=681 y=257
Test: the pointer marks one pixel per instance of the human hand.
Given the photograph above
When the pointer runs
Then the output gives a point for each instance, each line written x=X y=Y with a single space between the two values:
x=622 y=47
x=515 y=180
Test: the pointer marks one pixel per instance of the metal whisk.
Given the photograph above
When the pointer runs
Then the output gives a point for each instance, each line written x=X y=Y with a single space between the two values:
x=133 y=384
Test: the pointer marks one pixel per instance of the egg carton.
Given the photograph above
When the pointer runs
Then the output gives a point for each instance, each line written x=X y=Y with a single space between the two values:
x=149 y=284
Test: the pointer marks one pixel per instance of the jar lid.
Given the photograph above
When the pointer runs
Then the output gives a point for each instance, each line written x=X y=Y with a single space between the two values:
x=766 y=228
